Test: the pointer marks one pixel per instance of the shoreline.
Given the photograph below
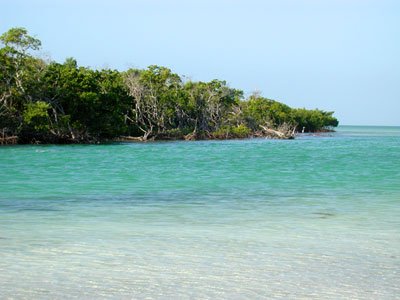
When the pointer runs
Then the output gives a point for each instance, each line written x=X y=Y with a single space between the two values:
x=161 y=138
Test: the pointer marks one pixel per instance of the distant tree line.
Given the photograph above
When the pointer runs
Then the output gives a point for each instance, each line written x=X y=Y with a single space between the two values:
x=49 y=102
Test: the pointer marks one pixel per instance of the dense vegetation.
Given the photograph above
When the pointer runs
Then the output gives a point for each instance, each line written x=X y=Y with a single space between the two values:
x=49 y=102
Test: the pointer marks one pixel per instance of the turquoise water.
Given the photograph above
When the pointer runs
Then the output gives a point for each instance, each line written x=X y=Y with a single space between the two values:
x=315 y=217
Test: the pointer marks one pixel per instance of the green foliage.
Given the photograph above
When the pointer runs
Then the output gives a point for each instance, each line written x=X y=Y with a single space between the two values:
x=19 y=39
x=261 y=111
x=210 y=104
x=240 y=131
x=314 y=120
x=66 y=103
x=230 y=131
x=36 y=114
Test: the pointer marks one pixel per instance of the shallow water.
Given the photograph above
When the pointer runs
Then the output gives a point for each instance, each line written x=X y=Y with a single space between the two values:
x=315 y=217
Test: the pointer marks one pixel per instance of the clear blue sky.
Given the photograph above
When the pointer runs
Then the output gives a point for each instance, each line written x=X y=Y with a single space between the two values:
x=341 y=55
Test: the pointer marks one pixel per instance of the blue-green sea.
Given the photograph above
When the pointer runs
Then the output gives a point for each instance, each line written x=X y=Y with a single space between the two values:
x=317 y=217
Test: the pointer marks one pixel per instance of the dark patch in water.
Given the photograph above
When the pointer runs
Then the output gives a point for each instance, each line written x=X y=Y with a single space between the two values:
x=324 y=215
x=38 y=209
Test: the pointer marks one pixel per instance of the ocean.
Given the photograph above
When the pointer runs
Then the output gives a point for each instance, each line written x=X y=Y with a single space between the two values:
x=317 y=217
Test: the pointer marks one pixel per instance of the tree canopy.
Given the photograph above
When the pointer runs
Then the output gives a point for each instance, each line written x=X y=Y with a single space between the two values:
x=50 y=102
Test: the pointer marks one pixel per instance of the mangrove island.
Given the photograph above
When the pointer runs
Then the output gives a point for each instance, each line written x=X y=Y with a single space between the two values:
x=48 y=102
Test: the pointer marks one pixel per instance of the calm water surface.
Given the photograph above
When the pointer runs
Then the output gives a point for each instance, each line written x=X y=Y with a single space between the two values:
x=315 y=217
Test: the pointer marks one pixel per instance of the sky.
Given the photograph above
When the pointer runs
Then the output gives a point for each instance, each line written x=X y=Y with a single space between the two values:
x=334 y=55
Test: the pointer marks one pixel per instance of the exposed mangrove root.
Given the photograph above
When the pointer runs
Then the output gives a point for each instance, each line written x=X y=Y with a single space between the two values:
x=134 y=139
x=8 y=140
x=284 y=132
x=191 y=136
